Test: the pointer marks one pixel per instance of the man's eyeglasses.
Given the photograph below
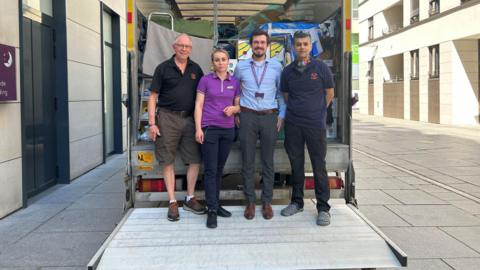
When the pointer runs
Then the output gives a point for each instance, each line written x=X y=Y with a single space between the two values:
x=183 y=46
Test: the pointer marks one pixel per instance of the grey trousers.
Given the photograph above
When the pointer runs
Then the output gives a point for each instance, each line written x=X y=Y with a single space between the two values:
x=253 y=127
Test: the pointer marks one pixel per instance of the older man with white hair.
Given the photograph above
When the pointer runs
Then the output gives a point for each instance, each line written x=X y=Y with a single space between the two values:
x=172 y=126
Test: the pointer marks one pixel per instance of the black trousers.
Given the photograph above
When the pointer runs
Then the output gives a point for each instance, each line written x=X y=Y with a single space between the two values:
x=215 y=149
x=316 y=140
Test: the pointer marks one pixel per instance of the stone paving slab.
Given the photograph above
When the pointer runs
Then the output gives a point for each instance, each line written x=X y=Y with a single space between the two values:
x=469 y=188
x=381 y=183
x=449 y=196
x=472 y=179
x=464 y=264
x=92 y=201
x=375 y=173
x=19 y=268
x=434 y=215
x=430 y=188
x=411 y=180
x=468 y=206
x=427 y=243
x=413 y=197
x=444 y=179
x=468 y=235
x=114 y=185
x=53 y=249
x=375 y=197
x=84 y=220
x=382 y=217
x=36 y=213
x=459 y=171
x=425 y=264
x=95 y=176
x=64 y=195
x=63 y=268
x=117 y=162
x=12 y=231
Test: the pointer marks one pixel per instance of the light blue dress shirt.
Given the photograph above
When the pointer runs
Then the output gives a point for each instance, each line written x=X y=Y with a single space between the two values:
x=269 y=86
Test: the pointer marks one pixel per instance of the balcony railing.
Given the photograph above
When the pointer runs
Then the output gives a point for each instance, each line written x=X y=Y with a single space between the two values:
x=395 y=78
x=390 y=29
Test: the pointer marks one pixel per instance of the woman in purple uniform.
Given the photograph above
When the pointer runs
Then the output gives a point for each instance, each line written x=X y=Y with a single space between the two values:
x=218 y=98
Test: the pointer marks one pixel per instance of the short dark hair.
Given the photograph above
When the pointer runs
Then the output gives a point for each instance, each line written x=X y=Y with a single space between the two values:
x=260 y=32
x=301 y=34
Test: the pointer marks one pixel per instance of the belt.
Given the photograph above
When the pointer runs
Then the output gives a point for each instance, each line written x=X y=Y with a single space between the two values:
x=182 y=114
x=262 y=112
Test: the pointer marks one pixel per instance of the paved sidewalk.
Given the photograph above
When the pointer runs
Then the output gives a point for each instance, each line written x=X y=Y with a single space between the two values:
x=413 y=201
x=436 y=227
x=63 y=227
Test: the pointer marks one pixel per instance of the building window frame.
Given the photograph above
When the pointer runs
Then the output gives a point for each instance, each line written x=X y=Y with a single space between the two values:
x=414 y=12
x=434 y=7
x=370 y=71
x=371 y=34
x=414 y=65
x=434 y=61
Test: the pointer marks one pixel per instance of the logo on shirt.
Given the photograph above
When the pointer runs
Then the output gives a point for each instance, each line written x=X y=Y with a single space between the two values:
x=194 y=76
x=230 y=87
x=314 y=76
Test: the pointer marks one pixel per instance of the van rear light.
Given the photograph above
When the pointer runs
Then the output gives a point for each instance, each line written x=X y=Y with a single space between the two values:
x=151 y=185
x=334 y=182
x=309 y=183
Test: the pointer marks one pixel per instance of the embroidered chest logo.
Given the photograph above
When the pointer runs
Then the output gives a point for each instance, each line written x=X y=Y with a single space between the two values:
x=194 y=76
x=314 y=76
x=230 y=87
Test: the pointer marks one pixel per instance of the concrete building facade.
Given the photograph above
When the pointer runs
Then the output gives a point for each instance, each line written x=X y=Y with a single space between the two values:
x=71 y=72
x=419 y=60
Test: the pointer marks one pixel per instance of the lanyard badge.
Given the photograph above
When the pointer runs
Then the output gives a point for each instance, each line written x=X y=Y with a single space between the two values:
x=259 y=96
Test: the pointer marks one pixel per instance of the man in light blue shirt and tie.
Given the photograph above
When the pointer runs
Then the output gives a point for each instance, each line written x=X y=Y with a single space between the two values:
x=261 y=118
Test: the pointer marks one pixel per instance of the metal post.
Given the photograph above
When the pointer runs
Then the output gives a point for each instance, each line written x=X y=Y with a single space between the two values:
x=215 y=22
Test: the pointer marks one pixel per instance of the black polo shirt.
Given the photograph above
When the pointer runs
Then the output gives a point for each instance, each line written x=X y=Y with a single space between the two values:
x=176 y=91
x=306 y=105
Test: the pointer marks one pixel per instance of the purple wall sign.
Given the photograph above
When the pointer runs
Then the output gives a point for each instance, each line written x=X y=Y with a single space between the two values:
x=8 y=84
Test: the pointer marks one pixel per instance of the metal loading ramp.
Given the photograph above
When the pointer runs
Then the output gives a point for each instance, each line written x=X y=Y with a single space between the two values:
x=147 y=240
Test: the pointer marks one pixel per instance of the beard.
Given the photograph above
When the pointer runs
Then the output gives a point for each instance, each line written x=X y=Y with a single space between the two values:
x=262 y=54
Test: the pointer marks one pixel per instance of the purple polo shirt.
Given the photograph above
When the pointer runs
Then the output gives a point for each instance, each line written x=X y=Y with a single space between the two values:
x=218 y=95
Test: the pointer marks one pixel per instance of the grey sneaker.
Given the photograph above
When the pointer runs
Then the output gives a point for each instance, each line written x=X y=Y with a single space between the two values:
x=194 y=206
x=290 y=210
x=323 y=218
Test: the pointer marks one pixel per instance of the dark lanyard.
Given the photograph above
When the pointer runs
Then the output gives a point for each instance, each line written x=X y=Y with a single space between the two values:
x=255 y=74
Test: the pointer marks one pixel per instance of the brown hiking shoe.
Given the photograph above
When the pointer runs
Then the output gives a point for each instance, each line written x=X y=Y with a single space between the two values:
x=194 y=206
x=267 y=211
x=173 y=212
x=250 y=211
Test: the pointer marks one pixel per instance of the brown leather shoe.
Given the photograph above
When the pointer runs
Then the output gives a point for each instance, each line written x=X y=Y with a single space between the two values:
x=267 y=211
x=172 y=214
x=250 y=211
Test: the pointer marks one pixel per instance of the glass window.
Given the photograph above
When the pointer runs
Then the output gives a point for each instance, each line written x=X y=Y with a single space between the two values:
x=434 y=7
x=434 y=61
x=44 y=6
x=414 y=65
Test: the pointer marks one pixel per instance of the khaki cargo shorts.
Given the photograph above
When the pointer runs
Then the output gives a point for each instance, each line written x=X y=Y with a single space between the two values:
x=177 y=134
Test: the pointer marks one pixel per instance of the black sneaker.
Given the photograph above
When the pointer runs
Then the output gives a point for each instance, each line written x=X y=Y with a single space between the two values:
x=212 y=220
x=222 y=212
